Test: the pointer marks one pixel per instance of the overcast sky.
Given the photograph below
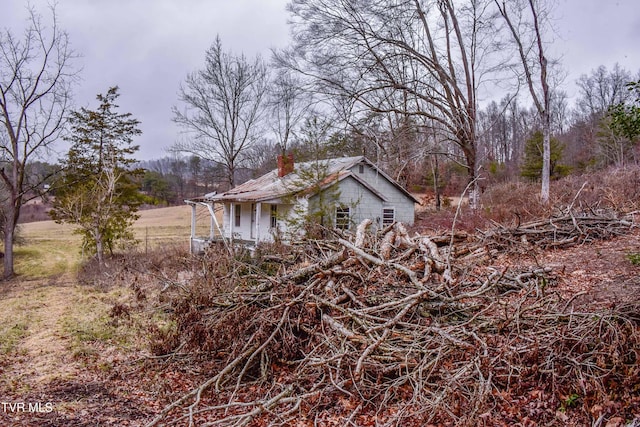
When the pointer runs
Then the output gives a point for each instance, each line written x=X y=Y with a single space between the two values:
x=147 y=47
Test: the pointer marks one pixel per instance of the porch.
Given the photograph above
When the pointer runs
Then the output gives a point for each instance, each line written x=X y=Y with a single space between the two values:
x=232 y=224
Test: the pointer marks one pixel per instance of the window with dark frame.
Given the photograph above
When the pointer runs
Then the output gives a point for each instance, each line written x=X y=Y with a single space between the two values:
x=237 y=213
x=343 y=217
x=388 y=216
x=274 y=216
x=360 y=168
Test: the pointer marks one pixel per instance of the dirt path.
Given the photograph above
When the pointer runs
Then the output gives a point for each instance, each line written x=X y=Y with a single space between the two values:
x=39 y=353
x=56 y=342
x=47 y=346
x=60 y=350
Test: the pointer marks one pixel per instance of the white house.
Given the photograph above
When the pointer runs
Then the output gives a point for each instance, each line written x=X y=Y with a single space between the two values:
x=264 y=207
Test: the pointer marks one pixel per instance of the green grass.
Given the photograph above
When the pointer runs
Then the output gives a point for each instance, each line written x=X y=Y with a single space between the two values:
x=634 y=258
x=46 y=249
x=10 y=334
x=18 y=320
x=44 y=258
x=49 y=249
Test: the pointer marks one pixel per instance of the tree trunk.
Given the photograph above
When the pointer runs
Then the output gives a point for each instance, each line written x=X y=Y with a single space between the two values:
x=546 y=162
x=541 y=95
x=436 y=182
x=8 y=248
x=99 y=247
x=471 y=159
x=231 y=172
x=12 y=213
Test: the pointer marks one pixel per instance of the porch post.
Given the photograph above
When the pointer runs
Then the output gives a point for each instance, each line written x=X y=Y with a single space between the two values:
x=193 y=227
x=193 y=220
x=258 y=212
x=232 y=209
x=212 y=222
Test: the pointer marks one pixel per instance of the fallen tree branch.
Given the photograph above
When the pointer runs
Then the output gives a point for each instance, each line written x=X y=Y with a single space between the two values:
x=421 y=330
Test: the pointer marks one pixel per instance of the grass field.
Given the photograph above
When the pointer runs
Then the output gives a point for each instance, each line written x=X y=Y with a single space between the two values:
x=47 y=248
x=50 y=325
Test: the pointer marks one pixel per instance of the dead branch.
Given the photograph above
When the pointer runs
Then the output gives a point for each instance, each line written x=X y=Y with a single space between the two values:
x=397 y=329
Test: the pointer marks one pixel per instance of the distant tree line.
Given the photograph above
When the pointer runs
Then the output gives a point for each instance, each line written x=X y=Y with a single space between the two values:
x=585 y=138
x=172 y=179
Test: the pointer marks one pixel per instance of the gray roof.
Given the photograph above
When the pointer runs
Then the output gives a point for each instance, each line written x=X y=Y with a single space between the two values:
x=271 y=187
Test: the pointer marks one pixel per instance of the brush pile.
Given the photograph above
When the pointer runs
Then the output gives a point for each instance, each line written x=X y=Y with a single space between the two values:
x=391 y=329
x=559 y=232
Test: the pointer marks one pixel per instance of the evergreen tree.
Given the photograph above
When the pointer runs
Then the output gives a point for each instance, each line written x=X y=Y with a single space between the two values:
x=316 y=185
x=625 y=117
x=533 y=152
x=157 y=187
x=98 y=192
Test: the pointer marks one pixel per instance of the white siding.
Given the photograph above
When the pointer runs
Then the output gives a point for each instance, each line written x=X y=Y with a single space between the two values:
x=243 y=231
x=363 y=202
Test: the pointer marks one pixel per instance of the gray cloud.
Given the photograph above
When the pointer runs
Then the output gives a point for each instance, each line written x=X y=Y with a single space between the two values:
x=147 y=47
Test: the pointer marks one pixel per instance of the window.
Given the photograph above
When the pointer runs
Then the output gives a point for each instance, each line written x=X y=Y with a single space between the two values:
x=388 y=216
x=274 y=216
x=361 y=168
x=343 y=217
x=237 y=211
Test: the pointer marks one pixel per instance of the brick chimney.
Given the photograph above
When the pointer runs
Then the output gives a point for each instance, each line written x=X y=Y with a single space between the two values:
x=285 y=164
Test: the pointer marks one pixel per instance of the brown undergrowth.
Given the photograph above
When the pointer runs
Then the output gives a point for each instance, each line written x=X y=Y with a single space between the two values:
x=617 y=189
x=512 y=203
x=392 y=329
x=500 y=320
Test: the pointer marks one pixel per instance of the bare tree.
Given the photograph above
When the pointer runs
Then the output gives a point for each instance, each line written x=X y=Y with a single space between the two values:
x=288 y=106
x=36 y=74
x=599 y=91
x=411 y=57
x=525 y=20
x=602 y=89
x=222 y=108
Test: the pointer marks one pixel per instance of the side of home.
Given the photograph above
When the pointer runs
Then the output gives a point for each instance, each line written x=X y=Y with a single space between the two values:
x=343 y=192
x=369 y=193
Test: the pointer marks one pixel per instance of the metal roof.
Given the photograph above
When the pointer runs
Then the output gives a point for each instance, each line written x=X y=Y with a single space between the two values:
x=272 y=187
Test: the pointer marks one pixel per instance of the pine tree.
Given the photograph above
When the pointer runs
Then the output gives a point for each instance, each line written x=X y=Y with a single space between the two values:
x=625 y=117
x=98 y=192
x=533 y=151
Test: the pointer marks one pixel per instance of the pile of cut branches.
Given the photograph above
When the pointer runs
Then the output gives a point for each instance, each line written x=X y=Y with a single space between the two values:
x=559 y=232
x=389 y=329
